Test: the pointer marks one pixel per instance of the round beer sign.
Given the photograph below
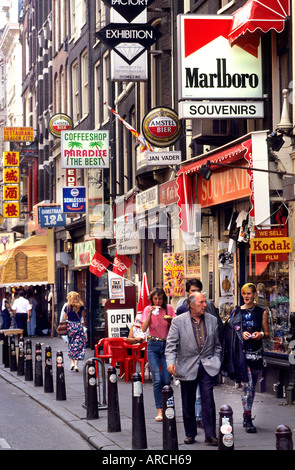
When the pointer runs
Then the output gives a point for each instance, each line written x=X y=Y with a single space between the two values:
x=161 y=127
x=58 y=123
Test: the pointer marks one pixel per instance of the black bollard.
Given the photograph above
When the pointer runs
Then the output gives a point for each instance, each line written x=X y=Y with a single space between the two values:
x=226 y=428
x=60 y=377
x=21 y=357
x=138 y=418
x=92 y=403
x=170 y=441
x=13 y=365
x=284 y=438
x=38 y=382
x=48 y=373
x=1 y=347
x=5 y=351
x=28 y=361
x=114 y=423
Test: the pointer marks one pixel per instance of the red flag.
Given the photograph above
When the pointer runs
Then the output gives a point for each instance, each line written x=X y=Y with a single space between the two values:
x=143 y=300
x=121 y=264
x=98 y=264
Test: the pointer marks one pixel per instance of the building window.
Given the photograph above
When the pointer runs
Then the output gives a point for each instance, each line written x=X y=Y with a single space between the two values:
x=97 y=94
x=75 y=91
x=106 y=83
x=84 y=80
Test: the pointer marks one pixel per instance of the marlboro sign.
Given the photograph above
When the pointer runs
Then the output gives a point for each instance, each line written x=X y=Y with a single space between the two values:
x=209 y=68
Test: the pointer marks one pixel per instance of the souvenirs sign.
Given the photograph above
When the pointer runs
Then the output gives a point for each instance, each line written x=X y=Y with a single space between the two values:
x=85 y=149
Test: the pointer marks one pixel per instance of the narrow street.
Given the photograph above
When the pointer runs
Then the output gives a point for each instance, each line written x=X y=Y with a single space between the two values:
x=25 y=425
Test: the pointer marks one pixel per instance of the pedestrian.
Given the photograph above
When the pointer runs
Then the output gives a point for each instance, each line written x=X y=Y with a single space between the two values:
x=74 y=313
x=191 y=286
x=193 y=355
x=157 y=319
x=21 y=310
x=33 y=316
x=243 y=349
x=6 y=311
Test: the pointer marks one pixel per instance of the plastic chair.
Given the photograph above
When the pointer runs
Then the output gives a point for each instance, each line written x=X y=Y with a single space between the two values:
x=119 y=356
x=142 y=360
x=103 y=345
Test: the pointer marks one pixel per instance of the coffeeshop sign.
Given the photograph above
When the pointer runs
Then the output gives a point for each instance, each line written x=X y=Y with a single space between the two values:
x=209 y=68
x=85 y=149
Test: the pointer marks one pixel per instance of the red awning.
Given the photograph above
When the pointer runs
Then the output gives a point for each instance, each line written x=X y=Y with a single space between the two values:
x=255 y=18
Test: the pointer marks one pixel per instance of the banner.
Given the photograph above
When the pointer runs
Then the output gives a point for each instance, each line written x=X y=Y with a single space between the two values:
x=121 y=264
x=98 y=264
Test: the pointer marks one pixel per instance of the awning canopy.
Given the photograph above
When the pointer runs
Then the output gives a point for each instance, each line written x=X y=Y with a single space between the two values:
x=250 y=150
x=255 y=18
x=28 y=262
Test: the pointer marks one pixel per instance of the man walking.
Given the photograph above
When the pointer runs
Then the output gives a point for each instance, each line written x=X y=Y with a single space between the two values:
x=21 y=310
x=193 y=355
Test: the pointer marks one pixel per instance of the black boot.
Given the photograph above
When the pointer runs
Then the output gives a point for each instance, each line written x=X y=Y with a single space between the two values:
x=250 y=428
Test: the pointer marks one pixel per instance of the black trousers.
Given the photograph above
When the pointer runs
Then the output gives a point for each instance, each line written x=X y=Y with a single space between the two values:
x=188 y=397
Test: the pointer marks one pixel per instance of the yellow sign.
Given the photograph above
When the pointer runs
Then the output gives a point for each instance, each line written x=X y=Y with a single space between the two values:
x=11 y=209
x=18 y=134
x=11 y=175
x=11 y=158
x=11 y=192
x=271 y=245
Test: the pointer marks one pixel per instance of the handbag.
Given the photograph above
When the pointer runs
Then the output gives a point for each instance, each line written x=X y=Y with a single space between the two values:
x=62 y=328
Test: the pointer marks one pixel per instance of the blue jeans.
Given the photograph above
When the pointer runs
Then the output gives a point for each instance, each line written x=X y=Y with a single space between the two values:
x=158 y=368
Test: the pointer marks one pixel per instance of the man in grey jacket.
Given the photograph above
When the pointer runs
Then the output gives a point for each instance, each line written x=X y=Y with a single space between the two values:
x=193 y=355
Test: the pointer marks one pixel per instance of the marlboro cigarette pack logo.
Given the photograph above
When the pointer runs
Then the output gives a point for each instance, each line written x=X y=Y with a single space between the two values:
x=209 y=67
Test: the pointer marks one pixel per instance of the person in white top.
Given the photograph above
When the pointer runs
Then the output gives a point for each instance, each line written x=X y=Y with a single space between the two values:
x=21 y=310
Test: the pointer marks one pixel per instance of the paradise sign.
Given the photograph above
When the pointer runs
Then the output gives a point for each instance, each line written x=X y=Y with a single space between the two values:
x=85 y=149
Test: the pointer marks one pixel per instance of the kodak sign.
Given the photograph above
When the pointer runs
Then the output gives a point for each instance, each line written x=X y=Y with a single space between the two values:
x=271 y=245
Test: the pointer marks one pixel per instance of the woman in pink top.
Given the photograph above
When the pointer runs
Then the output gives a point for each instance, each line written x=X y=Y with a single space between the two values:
x=153 y=319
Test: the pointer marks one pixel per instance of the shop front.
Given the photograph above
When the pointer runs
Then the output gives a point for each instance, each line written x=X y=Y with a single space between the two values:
x=244 y=238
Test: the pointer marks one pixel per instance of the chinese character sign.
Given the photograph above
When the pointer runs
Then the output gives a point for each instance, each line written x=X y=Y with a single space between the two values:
x=11 y=179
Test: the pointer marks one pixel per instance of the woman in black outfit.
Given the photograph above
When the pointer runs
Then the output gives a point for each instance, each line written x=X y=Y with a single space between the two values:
x=243 y=348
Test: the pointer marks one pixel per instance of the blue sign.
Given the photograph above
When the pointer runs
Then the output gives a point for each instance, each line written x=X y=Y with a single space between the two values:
x=74 y=199
x=51 y=216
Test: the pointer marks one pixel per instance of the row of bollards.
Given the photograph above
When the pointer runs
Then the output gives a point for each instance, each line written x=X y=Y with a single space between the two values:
x=24 y=365
x=169 y=431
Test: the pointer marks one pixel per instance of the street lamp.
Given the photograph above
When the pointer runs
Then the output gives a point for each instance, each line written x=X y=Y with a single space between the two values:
x=206 y=171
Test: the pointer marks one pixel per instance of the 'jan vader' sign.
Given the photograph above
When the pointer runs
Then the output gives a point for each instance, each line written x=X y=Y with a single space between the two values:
x=209 y=68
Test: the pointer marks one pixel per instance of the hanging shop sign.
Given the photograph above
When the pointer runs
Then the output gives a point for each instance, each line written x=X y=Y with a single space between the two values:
x=174 y=280
x=129 y=9
x=11 y=179
x=161 y=127
x=51 y=216
x=83 y=253
x=58 y=123
x=85 y=149
x=74 y=200
x=217 y=109
x=162 y=158
x=128 y=40
x=209 y=68
x=18 y=134
x=271 y=245
x=10 y=159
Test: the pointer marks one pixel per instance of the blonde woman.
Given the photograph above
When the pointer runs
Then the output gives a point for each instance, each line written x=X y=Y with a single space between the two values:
x=74 y=312
x=243 y=348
